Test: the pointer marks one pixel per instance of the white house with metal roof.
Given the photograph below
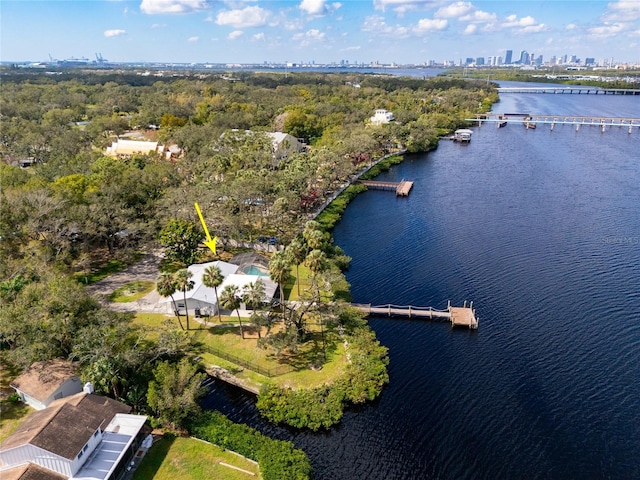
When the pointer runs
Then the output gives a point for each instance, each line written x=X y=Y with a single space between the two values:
x=204 y=298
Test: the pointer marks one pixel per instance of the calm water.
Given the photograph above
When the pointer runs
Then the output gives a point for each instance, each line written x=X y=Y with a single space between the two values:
x=542 y=230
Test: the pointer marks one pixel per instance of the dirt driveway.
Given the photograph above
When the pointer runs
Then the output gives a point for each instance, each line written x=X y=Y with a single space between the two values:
x=145 y=269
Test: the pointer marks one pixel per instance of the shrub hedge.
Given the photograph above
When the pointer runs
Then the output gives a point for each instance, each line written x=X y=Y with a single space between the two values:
x=278 y=459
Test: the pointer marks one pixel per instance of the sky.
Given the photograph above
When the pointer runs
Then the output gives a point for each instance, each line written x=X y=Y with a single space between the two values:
x=320 y=31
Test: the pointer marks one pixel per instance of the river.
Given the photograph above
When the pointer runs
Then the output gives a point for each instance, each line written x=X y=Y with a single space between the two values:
x=541 y=229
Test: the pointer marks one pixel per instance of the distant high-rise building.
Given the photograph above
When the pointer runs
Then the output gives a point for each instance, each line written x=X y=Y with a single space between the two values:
x=507 y=57
x=589 y=61
x=468 y=61
x=524 y=57
x=480 y=61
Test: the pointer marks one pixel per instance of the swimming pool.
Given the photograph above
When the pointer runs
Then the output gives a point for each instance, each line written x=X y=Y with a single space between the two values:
x=253 y=270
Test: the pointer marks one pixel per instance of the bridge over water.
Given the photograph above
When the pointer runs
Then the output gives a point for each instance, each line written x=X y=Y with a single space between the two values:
x=571 y=90
x=528 y=119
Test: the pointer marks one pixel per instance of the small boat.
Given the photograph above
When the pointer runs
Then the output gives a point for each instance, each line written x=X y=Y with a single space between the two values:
x=463 y=135
x=529 y=125
x=502 y=123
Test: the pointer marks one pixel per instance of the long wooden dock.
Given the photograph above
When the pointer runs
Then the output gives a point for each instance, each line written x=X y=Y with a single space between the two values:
x=458 y=316
x=401 y=188
x=553 y=120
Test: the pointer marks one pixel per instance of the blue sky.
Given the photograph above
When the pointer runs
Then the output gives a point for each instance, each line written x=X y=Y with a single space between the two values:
x=253 y=31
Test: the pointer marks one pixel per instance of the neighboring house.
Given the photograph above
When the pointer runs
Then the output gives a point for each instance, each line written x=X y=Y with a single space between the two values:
x=285 y=144
x=31 y=471
x=128 y=148
x=204 y=298
x=47 y=381
x=82 y=437
x=381 y=116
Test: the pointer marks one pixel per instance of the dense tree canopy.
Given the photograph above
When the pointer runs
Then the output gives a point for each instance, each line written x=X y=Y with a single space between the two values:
x=75 y=208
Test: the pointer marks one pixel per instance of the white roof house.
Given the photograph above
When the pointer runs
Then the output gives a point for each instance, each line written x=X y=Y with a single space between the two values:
x=284 y=144
x=127 y=148
x=204 y=298
x=381 y=116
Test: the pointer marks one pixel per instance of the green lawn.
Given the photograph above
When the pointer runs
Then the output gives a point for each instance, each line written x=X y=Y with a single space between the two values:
x=11 y=415
x=191 y=459
x=132 y=291
x=225 y=337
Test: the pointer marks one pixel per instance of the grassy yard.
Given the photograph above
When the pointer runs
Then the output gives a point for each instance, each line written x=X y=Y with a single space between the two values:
x=225 y=337
x=217 y=340
x=191 y=459
x=132 y=291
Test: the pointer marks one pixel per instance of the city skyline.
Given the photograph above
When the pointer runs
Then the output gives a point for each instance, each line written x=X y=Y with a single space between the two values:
x=321 y=31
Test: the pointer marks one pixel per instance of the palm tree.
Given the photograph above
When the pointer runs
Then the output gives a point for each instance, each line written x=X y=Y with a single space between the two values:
x=316 y=261
x=279 y=271
x=231 y=301
x=213 y=278
x=298 y=252
x=253 y=294
x=166 y=285
x=184 y=283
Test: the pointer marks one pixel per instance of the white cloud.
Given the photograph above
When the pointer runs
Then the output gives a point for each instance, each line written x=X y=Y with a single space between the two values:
x=571 y=26
x=401 y=6
x=309 y=37
x=258 y=36
x=114 y=33
x=470 y=29
x=318 y=8
x=156 y=7
x=526 y=24
x=243 y=18
x=512 y=21
x=479 y=16
x=454 y=10
x=159 y=25
x=235 y=34
x=312 y=34
x=426 y=25
x=193 y=39
x=622 y=11
x=607 y=30
x=351 y=49
x=541 y=27
x=313 y=7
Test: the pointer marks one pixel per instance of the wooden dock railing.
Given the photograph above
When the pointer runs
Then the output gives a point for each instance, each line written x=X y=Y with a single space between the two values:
x=402 y=188
x=458 y=316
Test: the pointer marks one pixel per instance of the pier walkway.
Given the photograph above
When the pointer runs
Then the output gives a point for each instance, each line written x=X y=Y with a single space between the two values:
x=603 y=123
x=402 y=188
x=458 y=316
x=571 y=90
